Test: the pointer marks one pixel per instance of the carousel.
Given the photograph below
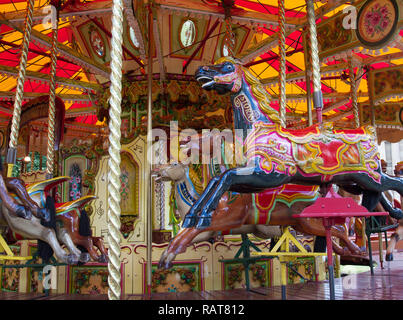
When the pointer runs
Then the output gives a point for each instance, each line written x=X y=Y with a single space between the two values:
x=201 y=149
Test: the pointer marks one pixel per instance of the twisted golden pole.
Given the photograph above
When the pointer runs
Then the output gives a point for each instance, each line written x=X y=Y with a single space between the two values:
x=15 y=124
x=354 y=97
x=149 y=182
x=282 y=71
x=52 y=109
x=115 y=121
x=316 y=77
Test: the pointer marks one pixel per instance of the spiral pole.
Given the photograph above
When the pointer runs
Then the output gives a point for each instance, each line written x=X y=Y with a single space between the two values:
x=52 y=109
x=282 y=71
x=15 y=124
x=354 y=97
x=229 y=39
x=114 y=277
x=316 y=77
x=149 y=182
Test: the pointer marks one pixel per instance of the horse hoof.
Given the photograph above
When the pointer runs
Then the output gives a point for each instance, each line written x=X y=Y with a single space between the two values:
x=189 y=222
x=84 y=257
x=203 y=223
x=23 y=212
x=389 y=257
x=72 y=259
x=103 y=258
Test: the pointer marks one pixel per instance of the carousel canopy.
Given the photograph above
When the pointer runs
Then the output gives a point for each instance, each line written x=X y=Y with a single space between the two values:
x=189 y=33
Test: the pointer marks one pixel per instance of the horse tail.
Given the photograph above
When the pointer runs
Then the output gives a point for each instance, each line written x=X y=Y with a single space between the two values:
x=84 y=226
x=45 y=251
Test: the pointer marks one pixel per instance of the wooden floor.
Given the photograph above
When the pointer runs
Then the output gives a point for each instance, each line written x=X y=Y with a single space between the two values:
x=385 y=284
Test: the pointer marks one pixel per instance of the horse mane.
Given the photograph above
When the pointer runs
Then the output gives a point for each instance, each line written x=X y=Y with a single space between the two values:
x=196 y=179
x=257 y=88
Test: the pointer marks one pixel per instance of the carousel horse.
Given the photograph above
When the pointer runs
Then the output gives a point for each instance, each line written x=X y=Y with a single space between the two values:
x=398 y=234
x=71 y=221
x=241 y=214
x=29 y=226
x=319 y=155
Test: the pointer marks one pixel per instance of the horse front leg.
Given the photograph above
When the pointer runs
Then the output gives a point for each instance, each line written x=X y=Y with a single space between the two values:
x=99 y=243
x=191 y=217
x=246 y=180
x=49 y=236
x=64 y=237
x=398 y=235
x=176 y=246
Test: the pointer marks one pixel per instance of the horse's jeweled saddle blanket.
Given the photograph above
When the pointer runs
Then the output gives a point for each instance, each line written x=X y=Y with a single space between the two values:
x=314 y=151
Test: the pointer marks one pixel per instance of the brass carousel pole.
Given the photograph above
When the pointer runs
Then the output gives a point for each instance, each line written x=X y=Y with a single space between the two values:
x=114 y=277
x=353 y=88
x=308 y=74
x=15 y=124
x=52 y=96
x=282 y=71
x=149 y=220
x=316 y=77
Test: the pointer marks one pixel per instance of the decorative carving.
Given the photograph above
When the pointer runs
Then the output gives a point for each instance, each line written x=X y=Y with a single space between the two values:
x=377 y=22
x=127 y=225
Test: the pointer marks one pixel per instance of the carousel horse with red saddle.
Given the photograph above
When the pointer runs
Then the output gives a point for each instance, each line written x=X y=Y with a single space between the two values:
x=317 y=156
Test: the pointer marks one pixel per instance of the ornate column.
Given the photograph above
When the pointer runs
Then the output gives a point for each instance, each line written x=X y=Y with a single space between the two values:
x=15 y=124
x=282 y=71
x=50 y=163
x=316 y=77
x=115 y=121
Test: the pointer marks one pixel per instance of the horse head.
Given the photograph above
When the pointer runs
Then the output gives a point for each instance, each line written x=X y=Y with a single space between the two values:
x=224 y=76
x=399 y=168
x=175 y=171
x=228 y=75
x=39 y=190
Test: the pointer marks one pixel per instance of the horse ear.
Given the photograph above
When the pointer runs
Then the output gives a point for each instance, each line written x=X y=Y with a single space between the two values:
x=238 y=61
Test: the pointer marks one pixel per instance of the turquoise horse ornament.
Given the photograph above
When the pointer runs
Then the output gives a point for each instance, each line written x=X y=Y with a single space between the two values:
x=274 y=156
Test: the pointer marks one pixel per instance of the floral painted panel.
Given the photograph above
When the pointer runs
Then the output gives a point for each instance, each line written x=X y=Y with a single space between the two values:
x=88 y=280
x=234 y=275
x=128 y=186
x=10 y=277
x=75 y=183
x=183 y=277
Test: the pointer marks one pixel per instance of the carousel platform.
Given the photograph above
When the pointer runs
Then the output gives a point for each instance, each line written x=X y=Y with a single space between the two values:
x=385 y=284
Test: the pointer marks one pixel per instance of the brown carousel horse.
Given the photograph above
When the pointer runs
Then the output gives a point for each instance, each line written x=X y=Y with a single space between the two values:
x=244 y=213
